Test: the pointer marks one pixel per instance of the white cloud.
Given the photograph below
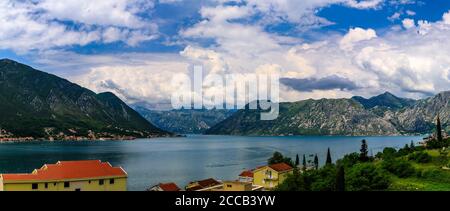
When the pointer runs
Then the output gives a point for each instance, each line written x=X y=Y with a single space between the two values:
x=410 y=63
x=408 y=23
x=404 y=62
x=410 y=13
x=446 y=18
x=356 y=35
x=394 y=16
x=39 y=25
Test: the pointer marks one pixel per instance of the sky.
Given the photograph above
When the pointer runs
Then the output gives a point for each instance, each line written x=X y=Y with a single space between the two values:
x=320 y=48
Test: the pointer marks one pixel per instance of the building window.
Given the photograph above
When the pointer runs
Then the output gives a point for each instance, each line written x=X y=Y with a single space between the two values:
x=90 y=181
x=101 y=182
x=46 y=185
x=229 y=186
x=66 y=184
x=54 y=184
x=34 y=186
x=111 y=181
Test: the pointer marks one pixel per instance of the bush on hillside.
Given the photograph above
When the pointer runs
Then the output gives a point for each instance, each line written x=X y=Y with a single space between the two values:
x=420 y=157
x=366 y=177
x=399 y=168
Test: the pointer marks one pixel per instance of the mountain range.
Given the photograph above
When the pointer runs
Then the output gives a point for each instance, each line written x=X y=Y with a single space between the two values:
x=385 y=114
x=184 y=121
x=40 y=105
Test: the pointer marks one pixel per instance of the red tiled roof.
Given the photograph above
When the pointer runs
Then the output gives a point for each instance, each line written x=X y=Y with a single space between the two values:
x=208 y=183
x=64 y=170
x=280 y=167
x=171 y=187
x=202 y=184
x=246 y=174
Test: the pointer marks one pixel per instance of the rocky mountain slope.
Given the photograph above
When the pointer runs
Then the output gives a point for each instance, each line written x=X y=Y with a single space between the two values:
x=382 y=115
x=40 y=105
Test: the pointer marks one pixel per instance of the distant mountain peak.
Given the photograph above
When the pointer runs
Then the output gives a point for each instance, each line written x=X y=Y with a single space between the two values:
x=386 y=99
x=6 y=60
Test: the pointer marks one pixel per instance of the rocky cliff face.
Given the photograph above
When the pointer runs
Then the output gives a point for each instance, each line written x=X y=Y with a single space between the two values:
x=421 y=117
x=311 y=117
x=379 y=116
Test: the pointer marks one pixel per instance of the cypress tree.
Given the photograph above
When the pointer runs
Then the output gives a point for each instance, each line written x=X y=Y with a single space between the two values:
x=304 y=162
x=363 y=156
x=329 y=160
x=297 y=161
x=316 y=162
x=439 y=131
x=340 y=179
x=412 y=146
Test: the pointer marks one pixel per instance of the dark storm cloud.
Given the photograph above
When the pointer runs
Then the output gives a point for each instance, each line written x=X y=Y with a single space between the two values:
x=327 y=83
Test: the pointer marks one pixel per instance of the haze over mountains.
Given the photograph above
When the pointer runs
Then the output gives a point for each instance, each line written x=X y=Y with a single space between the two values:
x=40 y=105
x=184 y=121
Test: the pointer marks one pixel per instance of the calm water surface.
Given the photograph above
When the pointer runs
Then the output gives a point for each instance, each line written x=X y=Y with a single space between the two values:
x=182 y=160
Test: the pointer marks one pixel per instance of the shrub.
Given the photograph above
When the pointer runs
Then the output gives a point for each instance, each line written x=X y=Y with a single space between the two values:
x=399 y=168
x=349 y=160
x=324 y=179
x=388 y=153
x=420 y=157
x=366 y=177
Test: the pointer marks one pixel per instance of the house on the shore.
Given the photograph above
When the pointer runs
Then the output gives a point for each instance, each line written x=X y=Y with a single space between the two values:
x=271 y=176
x=68 y=176
x=167 y=187
x=246 y=176
x=240 y=186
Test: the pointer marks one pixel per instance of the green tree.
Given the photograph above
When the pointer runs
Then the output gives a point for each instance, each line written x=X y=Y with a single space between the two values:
x=340 y=178
x=316 y=162
x=420 y=157
x=304 y=162
x=297 y=160
x=295 y=182
x=277 y=157
x=439 y=130
x=400 y=168
x=364 y=152
x=349 y=160
x=366 y=177
x=329 y=161
x=412 y=146
x=323 y=179
x=388 y=153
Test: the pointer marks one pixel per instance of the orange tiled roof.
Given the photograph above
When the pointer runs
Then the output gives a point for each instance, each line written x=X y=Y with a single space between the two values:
x=169 y=187
x=280 y=167
x=246 y=174
x=64 y=170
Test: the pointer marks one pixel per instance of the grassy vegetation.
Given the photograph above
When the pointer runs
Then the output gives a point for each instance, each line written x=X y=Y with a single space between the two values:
x=408 y=169
x=429 y=176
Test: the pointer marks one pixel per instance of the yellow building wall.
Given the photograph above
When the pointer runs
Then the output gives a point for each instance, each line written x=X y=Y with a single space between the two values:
x=120 y=184
x=261 y=178
x=234 y=186
x=1 y=184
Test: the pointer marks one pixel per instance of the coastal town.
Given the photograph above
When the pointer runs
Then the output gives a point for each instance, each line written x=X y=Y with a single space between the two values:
x=95 y=175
